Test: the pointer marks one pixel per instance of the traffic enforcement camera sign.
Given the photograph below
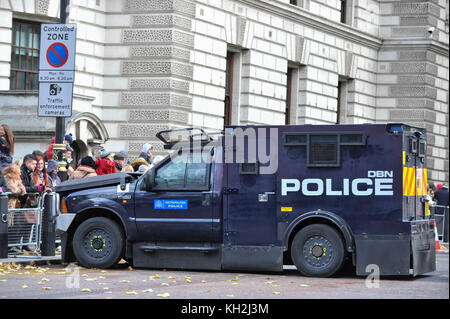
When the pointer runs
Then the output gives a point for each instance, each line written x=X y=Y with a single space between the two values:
x=56 y=69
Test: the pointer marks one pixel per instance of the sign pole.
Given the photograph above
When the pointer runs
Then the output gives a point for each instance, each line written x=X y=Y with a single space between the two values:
x=60 y=123
x=59 y=149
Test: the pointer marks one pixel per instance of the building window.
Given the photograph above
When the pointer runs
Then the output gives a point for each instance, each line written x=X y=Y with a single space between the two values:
x=25 y=55
x=343 y=11
x=229 y=89
x=293 y=2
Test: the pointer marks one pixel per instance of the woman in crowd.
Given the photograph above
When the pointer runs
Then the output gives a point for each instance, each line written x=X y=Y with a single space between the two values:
x=53 y=178
x=146 y=153
x=6 y=146
x=104 y=164
x=86 y=169
x=40 y=176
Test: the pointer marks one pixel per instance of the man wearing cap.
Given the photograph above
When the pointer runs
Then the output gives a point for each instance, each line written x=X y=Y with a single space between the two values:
x=119 y=161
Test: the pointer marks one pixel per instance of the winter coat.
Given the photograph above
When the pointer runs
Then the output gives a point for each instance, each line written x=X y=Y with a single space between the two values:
x=15 y=187
x=105 y=166
x=53 y=180
x=27 y=179
x=83 y=171
x=5 y=156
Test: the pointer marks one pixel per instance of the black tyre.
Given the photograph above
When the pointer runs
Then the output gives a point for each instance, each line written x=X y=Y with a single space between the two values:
x=318 y=251
x=98 y=243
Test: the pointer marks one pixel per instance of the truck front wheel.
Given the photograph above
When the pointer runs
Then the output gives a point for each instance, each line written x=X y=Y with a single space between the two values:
x=98 y=243
x=317 y=251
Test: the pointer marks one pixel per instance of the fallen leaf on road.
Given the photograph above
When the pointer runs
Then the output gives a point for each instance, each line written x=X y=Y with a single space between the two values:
x=147 y=290
x=105 y=288
x=124 y=281
x=130 y=268
x=133 y=292
x=187 y=277
x=270 y=282
x=4 y=280
x=103 y=271
x=276 y=292
x=171 y=277
x=203 y=281
x=46 y=288
x=230 y=295
x=85 y=290
x=154 y=277
x=235 y=283
x=164 y=284
x=304 y=285
x=91 y=279
x=164 y=295
x=188 y=280
x=24 y=286
x=45 y=279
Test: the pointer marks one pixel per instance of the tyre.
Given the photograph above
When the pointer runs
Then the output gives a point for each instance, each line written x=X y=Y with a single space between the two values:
x=98 y=243
x=318 y=251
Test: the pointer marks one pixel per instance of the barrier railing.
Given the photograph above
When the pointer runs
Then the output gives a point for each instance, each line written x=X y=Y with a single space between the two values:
x=28 y=228
x=440 y=214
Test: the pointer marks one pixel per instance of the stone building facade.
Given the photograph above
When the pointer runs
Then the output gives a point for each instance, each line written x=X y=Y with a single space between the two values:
x=147 y=65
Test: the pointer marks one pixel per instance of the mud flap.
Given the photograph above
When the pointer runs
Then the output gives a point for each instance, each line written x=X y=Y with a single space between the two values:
x=423 y=246
x=389 y=254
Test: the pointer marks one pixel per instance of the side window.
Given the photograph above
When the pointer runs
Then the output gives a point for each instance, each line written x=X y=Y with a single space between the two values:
x=183 y=174
x=171 y=175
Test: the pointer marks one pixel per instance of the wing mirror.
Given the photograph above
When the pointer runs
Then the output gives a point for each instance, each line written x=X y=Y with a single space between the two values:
x=149 y=180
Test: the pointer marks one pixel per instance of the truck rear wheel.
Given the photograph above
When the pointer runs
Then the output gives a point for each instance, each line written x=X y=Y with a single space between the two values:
x=98 y=243
x=318 y=251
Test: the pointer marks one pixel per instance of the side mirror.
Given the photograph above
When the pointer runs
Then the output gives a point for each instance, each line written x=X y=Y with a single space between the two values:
x=149 y=180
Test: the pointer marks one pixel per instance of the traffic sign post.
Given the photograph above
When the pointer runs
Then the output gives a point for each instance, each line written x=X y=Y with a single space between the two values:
x=56 y=69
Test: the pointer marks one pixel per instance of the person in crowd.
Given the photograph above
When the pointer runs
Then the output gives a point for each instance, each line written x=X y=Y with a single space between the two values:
x=6 y=146
x=49 y=152
x=138 y=162
x=125 y=155
x=143 y=168
x=146 y=153
x=13 y=184
x=430 y=194
x=127 y=169
x=26 y=174
x=119 y=161
x=40 y=176
x=68 y=139
x=96 y=152
x=157 y=159
x=441 y=195
x=104 y=164
x=438 y=186
x=85 y=169
x=53 y=178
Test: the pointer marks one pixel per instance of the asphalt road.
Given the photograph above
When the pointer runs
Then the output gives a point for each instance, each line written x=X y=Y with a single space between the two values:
x=74 y=282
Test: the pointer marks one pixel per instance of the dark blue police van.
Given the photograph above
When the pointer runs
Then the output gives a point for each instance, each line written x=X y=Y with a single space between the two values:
x=259 y=197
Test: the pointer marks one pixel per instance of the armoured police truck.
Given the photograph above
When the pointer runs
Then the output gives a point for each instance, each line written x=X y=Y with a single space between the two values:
x=256 y=198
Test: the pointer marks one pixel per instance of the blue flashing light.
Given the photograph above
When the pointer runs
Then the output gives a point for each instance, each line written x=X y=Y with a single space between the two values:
x=398 y=128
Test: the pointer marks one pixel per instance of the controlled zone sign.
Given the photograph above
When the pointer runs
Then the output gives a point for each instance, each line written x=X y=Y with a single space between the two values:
x=56 y=69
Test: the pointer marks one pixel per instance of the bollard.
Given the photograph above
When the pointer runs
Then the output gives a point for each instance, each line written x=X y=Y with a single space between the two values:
x=3 y=225
x=48 y=238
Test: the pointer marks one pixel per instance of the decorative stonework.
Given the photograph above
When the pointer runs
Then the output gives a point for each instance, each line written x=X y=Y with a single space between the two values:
x=160 y=52
x=157 y=67
x=180 y=6
x=241 y=25
x=140 y=130
x=165 y=20
x=157 y=115
x=157 y=36
x=42 y=7
x=155 y=99
x=161 y=84
x=136 y=147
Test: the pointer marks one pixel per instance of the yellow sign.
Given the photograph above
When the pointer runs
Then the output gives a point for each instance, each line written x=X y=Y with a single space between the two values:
x=286 y=209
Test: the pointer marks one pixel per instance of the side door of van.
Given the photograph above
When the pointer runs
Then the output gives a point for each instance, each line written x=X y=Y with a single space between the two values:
x=179 y=206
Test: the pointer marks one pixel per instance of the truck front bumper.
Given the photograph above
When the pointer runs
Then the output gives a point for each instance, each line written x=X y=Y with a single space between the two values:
x=63 y=222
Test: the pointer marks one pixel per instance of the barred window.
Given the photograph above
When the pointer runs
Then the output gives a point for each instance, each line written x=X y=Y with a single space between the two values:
x=25 y=55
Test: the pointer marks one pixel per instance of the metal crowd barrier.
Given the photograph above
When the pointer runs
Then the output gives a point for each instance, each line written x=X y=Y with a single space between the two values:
x=26 y=227
x=440 y=214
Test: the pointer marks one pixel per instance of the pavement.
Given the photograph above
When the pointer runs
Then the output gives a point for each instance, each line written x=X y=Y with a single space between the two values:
x=54 y=260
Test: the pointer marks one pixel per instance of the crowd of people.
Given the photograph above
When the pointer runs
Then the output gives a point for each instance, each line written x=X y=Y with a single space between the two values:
x=38 y=172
